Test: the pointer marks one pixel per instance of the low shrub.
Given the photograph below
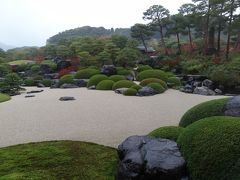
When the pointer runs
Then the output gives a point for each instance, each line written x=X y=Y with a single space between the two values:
x=86 y=73
x=143 y=68
x=50 y=64
x=124 y=72
x=157 y=87
x=68 y=79
x=159 y=74
x=37 y=78
x=122 y=84
x=203 y=110
x=174 y=82
x=105 y=85
x=167 y=132
x=46 y=82
x=116 y=78
x=136 y=86
x=94 y=80
x=35 y=68
x=211 y=148
x=145 y=82
x=29 y=82
x=130 y=92
x=4 y=69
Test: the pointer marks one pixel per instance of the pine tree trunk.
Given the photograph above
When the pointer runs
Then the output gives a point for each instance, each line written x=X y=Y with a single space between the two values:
x=162 y=40
x=190 y=37
x=206 y=30
x=229 y=33
x=178 y=41
x=219 y=38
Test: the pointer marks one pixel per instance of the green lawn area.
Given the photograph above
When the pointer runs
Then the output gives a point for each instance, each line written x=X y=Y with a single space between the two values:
x=4 y=97
x=58 y=160
x=20 y=62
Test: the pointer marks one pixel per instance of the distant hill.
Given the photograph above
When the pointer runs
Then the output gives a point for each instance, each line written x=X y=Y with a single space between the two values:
x=5 y=47
x=87 y=31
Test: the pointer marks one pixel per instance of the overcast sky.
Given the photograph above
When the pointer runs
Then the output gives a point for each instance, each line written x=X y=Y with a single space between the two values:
x=32 y=22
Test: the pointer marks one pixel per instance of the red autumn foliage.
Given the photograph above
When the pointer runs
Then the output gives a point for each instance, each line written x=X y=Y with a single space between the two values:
x=66 y=71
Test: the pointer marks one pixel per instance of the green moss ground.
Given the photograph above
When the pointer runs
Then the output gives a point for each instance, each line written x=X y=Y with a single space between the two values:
x=4 y=97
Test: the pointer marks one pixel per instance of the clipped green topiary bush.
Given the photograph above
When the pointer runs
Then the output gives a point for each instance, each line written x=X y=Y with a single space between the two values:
x=159 y=74
x=29 y=82
x=203 y=110
x=105 y=85
x=68 y=79
x=174 y=82
x=167 y=132
x=86 y=73
x=122 y=84
x=37 y=78
x=35 y=68
x=157 y=87
x=130 y=92
x=136 y=86
x=211 y=148
x=46 y=82
x=145 y=82
x=94 y=80
x=124 y=72
x=116 y=78
x=143 y=68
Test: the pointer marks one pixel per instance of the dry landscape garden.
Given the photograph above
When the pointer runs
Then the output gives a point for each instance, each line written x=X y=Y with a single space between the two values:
x=156 y=101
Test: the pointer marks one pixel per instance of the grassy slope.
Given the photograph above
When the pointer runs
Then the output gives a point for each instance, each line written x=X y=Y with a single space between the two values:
x=58 y=160
x=4 y=97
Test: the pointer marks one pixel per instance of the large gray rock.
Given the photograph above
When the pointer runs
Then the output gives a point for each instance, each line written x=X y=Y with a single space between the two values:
x=207 y=83
x=187 y=88
x=66 y=98
x=146 y=91
x=68 y=86
x=81 y=82
x=120 y=90
x=232 y=107
x=109 y=70
x=204 y=91
x=145 y=158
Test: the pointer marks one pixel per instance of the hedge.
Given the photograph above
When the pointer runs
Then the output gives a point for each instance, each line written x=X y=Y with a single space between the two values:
x=86 y=73
x=145 y=82
x=94 y=80
x=116 y=78
x=157 y=87
x=159 y=74
x=105 y=85
x=68 y=79
x=130 y=92
x=122 y=84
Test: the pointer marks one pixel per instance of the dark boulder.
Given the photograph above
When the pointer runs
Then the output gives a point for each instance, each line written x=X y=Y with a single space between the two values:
x=218 y=91
x=92 y=87
x=207 y=83
x=68 y=86
x=63 y=64
x=187 y=88
x=55 y=84
x=109 y=70
x=40 y=85
x=129 y=77
x=145 y=158
x=146 y=91
x=120 y=90
x=28 y=96
x=204 y=91
x=45 y=69
x=232 y=107
x=34 y=91
x=66 y=98
x=81 y=82
x=51 y=76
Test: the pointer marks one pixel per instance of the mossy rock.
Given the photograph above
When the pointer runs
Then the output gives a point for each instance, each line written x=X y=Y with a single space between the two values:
x=136 y=86
x=68 y=79
x=167 y=132
x=211 y=148
x=58 y=160
x=145 y=82
x=122 y=84
x=159 y=74
x=203 y=110
x=174 y=82
x=86 y=73
x=94 y=80
x=105 y=85
x=130 y=92
x=157 y=87
x=116 y=78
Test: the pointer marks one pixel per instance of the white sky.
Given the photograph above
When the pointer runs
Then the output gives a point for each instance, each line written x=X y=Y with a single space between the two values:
x=32 y=22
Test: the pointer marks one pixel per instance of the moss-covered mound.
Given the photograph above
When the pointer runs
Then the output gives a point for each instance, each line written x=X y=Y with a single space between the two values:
x=68 y=79
x=86 y=73
x=130 y=92
x=157 y=87
x=46 y=82
x=167 y=132
x=203 y=110
x=124 y=72
x=94 y=80
x=105 y=85
x=174 y=82
x=58 y=160
x=143 y=68
x=116 y=78
x=145 y=82
x=136 y=86
x=211 y=148
x=4 y=97
x=159 y=74
x=122 y=84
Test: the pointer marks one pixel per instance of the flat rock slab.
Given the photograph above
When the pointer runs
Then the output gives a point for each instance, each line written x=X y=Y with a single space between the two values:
x=67 y=98
x=28 y=96
x=35 y=91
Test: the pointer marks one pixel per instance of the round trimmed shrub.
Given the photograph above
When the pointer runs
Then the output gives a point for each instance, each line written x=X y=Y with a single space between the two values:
x=157 y=87
x=35 y=68
x=145 y=82
x=46 y=82
x=86 y=73
x=203 y=110
x=94 y=80
x=174 y=82
x=211 y=148
x=116 y=78
x=29 y=82
x=122 y=84
x=124 y=72
x=167 y=132
x=68 y=79
x=105 y=85
x=159 y=74
x=37 y=77
x=130 y=92
x=136 y=86
x=143 y=68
